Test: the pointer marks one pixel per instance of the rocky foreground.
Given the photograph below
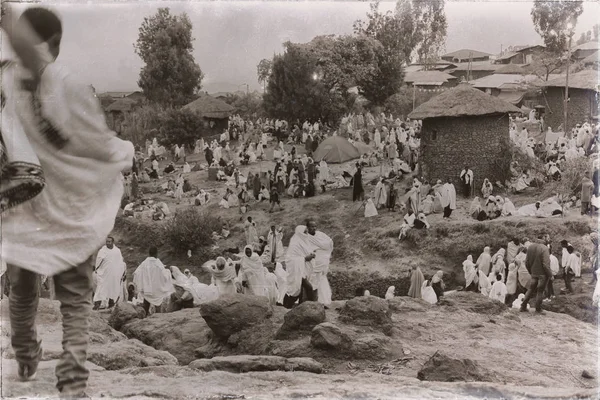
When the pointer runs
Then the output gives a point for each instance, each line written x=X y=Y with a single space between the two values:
x=239 y=347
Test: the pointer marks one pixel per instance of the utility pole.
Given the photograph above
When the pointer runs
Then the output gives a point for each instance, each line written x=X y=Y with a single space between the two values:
x=566 y=106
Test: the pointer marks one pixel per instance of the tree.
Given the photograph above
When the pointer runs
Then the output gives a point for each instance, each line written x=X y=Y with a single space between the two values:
x=385 y=80
x=552 y=18
x=416 y=28
x=582 y=39
x=263 y=70
x=545 y=63
x=170 y=76
x=248 y=105
x=595 y=31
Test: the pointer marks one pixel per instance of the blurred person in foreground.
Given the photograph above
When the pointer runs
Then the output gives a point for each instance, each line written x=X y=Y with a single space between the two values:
x=56 y=229
x=538 y=265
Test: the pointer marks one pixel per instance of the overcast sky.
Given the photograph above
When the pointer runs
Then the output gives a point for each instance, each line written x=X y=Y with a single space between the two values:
x=232 y=37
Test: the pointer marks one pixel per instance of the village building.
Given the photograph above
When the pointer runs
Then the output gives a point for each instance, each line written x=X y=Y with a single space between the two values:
x=463 y=126
x=465 y=55
x=583 y=99
x=511 y=88
x=584 y=50
x=215 y=112
x=519 y=54
x=430 y=79
x=591 y=61
x=118 y=111
x=469 y=71
x=439 y=65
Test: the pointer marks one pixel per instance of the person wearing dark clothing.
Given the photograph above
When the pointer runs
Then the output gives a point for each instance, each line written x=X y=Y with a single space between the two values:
x=310 y=172
x=538 y=263
x=301 y=173
x=208 y=154
x=357 y=185
x=256 y=186
x=309 y=190
x=274 y=199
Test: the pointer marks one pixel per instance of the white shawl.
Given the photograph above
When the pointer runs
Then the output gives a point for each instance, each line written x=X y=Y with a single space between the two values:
x=253 y=271
x=153 y=281
x=70 y=220
x=110 y=268
x=297 y=267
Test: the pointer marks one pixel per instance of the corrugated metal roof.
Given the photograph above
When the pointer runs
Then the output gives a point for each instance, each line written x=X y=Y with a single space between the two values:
x=428 y=77
x=512 y=97
x=587 y=46
x=465 y=54
x=587 y=79
x=507 y=56
x=503 y=81
x=592 y=58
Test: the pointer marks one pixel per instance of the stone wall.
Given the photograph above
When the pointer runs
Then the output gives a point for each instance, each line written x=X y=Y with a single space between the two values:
x=583 y=105
x=473 y=141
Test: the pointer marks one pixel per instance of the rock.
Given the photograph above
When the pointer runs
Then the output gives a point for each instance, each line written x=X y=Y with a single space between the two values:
x=180 y=333
x=407 y=304
x=234 y=313
x=245 y=363
x=127 y=354
x=101 y=332
x=473 y=302
x=123 y=312
x=328 y=336
x=441 y=368
x=370 y=347
x=585 y=374
x=368 y=311
x=255 y=339
x=302 y=318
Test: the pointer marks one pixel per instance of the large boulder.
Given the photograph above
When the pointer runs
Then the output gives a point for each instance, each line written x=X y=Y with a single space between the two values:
x=245 y=363
x=234 y=313
x=302 y=318
x=368 y=311
x=472 y=302
x=180 y=333
x=328 y=336
x=407 y=304
x=370 y=347
x=128 y=353
x=441 y=368
x=124 y=312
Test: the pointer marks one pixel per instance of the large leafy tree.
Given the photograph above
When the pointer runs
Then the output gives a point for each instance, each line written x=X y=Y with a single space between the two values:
x=552 y=18
x=416 y=29
x=170 y=77
x=311 y=80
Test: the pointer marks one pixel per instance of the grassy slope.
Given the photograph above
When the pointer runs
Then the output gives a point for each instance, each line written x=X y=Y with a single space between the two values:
x=367 y=252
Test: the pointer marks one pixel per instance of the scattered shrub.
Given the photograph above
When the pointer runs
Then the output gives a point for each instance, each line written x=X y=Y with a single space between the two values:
x=191 y=230
x=569 y=184
x=441 y=231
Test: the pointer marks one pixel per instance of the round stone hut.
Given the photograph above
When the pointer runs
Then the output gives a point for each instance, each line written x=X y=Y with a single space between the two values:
x=464 y=126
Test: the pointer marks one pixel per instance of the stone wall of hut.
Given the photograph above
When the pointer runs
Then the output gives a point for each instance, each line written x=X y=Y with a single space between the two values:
x=448 y=144
x=583 y=105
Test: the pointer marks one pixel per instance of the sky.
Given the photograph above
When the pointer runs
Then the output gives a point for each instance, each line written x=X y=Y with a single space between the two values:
x=231 y=37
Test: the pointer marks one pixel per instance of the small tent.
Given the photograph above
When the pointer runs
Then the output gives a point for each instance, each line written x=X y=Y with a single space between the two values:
x=336 y=149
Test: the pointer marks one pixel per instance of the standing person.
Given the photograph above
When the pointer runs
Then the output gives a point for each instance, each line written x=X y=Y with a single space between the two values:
x=466 y=177
x=250 y=231
x=110 y=272
x=416 y=282
x=538 y=264
x=448 y=199
x=323 y=247
x=587 y=188
x=274 y=199
x=275 y=244
x=153 y=281
x=57 y=232
x=357 y=185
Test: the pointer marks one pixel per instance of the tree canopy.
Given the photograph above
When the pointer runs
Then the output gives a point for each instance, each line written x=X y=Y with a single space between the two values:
x=415 y=29
x=552 y=19
x=311 y=80
x=170 y=75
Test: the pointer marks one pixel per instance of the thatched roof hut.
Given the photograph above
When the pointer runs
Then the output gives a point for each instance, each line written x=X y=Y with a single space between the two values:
x=464 y=126
x=209 y=107
x=462 y=101
x=586 y=80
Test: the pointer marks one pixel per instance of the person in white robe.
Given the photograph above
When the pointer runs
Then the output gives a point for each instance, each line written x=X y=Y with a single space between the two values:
x=498 y=291
x=186 y=168
x=109 y=271
x=380 y=194
x=281 y=275
x=409 y=222
x=370 y=209
x=274 y=247
x=484 y=283
x=470 y=273
x=448 y=200
x=389 y=294
x=250 y=232
x=484 y=262
x=519 y=301
x=252 y=273
x=498 y=265
x=153 y=281
x=508 y=208
x=428 y=294
x=323 y=172
x=223 y=275
x=322 y=248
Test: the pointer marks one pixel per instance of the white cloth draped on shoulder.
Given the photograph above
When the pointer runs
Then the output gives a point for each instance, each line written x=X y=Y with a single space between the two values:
x=110 y=268
x=253 y=271
x=153 y=281
x=82 y=161
x=323 y=245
